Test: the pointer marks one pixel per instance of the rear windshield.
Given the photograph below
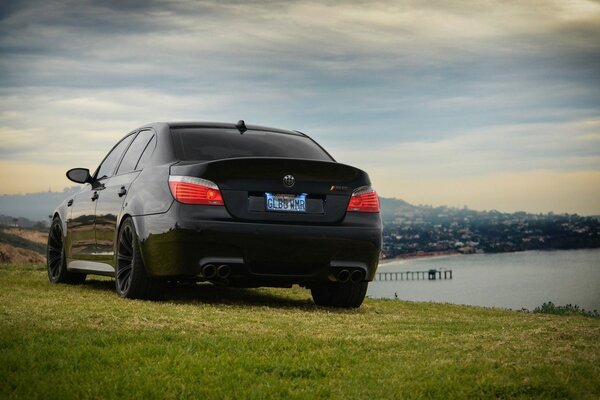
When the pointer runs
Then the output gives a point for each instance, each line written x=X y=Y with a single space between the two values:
x=205 y=144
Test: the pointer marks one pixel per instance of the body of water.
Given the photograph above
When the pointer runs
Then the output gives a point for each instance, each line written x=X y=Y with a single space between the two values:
x=508 y=280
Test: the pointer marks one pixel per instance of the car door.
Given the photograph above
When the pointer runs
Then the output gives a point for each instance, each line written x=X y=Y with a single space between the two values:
x=81 y=239
x=81 y=227
x=110 y=202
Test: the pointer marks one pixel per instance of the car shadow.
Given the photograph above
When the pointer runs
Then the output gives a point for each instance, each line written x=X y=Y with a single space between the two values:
x=213 y=294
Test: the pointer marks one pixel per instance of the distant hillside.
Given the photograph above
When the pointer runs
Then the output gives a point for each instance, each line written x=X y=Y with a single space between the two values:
x=18 y=245
x=22 y=222
x=393 y=207
x=413 y=230
x=31 y=207
x=34 y=207
x=408 y=229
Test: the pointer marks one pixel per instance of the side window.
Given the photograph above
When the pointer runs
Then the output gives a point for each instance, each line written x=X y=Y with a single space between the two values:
x=147 y=153
x=107 y=167
x=134 y=152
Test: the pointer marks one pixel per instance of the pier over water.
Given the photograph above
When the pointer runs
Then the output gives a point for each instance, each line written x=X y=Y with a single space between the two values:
x=431 y=275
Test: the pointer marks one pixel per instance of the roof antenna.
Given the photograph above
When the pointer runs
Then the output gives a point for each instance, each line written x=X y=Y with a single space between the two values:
x=241 y=126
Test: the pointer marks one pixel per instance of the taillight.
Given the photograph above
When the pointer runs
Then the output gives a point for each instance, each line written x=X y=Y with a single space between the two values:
x=190 y=190
x=364 y=199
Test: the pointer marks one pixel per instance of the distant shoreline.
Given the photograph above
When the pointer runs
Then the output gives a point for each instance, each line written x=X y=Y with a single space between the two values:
x=412 y=256
x=436 y=254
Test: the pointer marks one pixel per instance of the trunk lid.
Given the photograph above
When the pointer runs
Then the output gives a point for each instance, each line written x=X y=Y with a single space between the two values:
x=247 y=183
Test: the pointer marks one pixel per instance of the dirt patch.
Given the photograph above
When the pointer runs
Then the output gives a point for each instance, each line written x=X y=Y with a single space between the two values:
x=31 y=235
x=14 y=255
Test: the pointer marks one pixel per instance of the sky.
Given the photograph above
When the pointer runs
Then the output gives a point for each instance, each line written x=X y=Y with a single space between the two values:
x=487 y=104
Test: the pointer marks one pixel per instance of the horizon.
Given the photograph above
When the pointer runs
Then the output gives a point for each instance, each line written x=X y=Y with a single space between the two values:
x=489 y=106
x=423 y=205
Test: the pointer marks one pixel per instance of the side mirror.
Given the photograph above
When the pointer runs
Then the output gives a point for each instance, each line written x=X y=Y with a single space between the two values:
x=79 y=175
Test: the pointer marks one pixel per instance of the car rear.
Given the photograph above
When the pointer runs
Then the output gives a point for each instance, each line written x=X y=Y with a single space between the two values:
x=262 y=207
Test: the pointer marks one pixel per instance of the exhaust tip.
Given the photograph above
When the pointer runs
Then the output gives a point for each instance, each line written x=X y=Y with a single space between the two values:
x=223 y=271
x=209 y=271
x=343 y=276
x=357 y=276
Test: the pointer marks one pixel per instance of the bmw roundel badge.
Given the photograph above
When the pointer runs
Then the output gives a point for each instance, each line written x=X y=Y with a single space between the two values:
x=289 y=180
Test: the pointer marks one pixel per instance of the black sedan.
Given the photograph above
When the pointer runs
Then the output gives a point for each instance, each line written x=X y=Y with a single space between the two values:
x=235 y=205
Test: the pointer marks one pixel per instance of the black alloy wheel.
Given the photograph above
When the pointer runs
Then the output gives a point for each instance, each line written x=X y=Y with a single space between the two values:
x=55 y=256
x=131 y=279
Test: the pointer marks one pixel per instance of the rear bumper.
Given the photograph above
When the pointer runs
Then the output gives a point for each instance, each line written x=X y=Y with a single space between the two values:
x=181 y=241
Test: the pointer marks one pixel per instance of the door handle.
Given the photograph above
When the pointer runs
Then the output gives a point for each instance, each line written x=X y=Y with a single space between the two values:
x=95 y=196
x=122 y=192
x=70 y=203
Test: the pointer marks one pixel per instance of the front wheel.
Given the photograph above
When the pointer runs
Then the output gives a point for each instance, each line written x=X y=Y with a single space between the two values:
x=131 y=279
x=55 y=257
x=341 y=295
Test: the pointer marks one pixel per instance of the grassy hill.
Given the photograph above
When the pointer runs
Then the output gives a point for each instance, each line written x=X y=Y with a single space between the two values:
x=78 y=342
x=20 y=245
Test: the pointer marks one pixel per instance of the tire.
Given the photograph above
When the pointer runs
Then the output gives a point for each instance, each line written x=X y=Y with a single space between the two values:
x=131 y=279
x=340 y=295
x=56 y=260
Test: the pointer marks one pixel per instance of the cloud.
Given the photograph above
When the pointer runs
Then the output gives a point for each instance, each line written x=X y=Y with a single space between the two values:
x=529 y=147
x=445 y=90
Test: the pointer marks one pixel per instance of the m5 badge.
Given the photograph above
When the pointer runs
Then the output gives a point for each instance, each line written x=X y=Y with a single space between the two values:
x=338 y=188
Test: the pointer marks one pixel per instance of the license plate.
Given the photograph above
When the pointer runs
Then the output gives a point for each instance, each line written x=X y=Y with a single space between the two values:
x=286 y=202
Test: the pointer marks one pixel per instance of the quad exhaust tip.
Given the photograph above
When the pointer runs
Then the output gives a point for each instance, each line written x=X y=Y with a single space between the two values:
x=223 y=271
x=343 y=276
x=357 y=276
x=350 y=275
x=212 y=271
x=209 y=271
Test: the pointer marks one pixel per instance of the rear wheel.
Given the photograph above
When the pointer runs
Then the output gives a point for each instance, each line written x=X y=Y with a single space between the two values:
x=342 y=295
x=131 y=279
x=55 y=257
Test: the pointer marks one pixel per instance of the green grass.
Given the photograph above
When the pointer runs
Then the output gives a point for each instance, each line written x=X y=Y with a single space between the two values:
x=77 y=342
